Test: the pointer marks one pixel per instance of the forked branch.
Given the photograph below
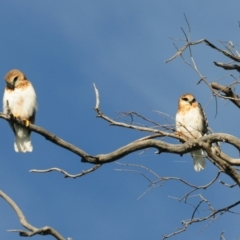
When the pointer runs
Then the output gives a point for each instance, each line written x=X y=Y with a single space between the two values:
x=227 y=92
x=216 y=88
x=32 y=230
x=201 y=203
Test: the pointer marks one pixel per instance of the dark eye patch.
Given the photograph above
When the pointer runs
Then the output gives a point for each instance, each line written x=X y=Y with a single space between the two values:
x=15 y=79
x=185 y=99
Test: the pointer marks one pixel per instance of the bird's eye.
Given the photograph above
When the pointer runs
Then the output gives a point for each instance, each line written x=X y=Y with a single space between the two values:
x=15 y=79
x=185 y=99
x=194 y=100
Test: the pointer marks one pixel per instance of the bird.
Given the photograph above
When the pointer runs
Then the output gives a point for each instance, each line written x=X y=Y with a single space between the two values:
x=191 y=122
x=19 y=100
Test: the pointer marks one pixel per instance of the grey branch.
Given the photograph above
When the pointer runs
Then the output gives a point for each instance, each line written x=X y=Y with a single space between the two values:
x=228 y=93
x=216 y=89
x=32 y=230
x=228 y=66
x=160 y=181
x=181 y=50
x=66 y=174
x=188 y=44
x=212 y=216
x=97 y=96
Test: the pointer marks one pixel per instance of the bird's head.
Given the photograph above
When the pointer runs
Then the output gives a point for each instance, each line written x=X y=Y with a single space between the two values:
x=13 y=78
x=186 y=100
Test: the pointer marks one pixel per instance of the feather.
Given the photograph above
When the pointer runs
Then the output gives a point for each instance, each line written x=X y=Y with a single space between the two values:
x=199 y=160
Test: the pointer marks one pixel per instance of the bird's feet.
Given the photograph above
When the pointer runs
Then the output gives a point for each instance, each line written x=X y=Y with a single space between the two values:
x=26 y=122
x=14 y=116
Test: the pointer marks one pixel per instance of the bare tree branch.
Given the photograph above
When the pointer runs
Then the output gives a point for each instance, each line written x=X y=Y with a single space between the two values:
x=97 y=97
x=66 y=174
x=131 y=126
x=227 y=185
x=228 y=93
x=212 y=216
x=48 y=135
x=228 y=66
x=232 y=53
x=32 y=230
x=181 y=50
x=222 y=236
x=160 y=181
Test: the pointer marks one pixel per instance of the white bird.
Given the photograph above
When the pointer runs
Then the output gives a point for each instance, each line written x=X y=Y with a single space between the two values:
x=192 y=123
x=20 y=100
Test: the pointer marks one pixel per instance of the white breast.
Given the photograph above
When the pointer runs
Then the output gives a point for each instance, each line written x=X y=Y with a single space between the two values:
x=22 y=102
x=190 y=123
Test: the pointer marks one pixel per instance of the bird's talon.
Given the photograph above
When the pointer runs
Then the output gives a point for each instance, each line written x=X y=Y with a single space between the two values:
x=26 y=122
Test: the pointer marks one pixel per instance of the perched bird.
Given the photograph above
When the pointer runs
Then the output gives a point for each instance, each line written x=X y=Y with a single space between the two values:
x=20 y=100
x=192 y=123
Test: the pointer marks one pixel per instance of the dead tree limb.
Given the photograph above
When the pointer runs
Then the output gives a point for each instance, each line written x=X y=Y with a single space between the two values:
x=228 y=93
x=65 y=173
x=202 y=202
x=216 y=89
x=228 y=66
x=32 y=230
x=208 y=43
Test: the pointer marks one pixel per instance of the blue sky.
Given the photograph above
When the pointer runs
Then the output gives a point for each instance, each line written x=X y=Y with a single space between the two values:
x=64 y=47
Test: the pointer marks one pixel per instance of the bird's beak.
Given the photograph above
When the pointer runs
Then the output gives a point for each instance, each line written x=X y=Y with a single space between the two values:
x=10 y=85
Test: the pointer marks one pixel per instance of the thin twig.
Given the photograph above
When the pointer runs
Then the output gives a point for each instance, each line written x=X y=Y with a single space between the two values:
x=66 y=174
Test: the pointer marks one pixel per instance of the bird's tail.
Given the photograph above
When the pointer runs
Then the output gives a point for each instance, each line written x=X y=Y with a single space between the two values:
x=199 y=160
x=22 y=141
x=23 y=145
